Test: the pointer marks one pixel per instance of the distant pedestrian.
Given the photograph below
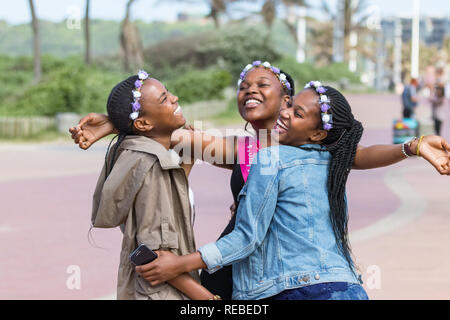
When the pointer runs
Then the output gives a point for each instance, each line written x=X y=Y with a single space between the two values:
x=409 y=99
x=437 y=104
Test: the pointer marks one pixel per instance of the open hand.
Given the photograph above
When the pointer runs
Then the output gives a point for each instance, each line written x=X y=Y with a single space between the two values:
x=436 y=150
x=90 y=129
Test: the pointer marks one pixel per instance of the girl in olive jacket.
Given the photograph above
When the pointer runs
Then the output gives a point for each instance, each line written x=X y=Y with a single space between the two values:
x=144 y=190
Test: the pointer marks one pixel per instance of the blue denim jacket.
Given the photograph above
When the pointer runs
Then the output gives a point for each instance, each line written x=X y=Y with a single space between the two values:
x=283 y=238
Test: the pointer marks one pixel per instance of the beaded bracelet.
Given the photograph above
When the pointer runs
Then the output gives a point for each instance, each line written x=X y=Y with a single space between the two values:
x=403 y=151
x=406 y=148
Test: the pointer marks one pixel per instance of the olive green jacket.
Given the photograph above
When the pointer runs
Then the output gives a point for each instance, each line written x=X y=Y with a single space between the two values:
x=146 y=193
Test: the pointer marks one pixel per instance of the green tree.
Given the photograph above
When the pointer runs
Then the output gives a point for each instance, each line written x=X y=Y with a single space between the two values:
x=36 y=43
x=216 y=8
x=354 y=15
x=87 y=35
x=290 y=20
x=131 y=50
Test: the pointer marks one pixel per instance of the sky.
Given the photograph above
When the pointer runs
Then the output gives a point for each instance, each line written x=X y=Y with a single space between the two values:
x=17 y=12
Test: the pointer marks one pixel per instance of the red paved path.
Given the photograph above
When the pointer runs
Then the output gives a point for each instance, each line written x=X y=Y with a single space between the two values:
x=46 y=197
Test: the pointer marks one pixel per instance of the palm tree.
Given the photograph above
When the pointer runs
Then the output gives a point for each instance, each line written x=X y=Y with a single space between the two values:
x=268 y=12
x=353 y=21
x=290 y=20
x=87 y=36
x=216 y=8
x=130 y=43
x=36 y=43
x=321 y=44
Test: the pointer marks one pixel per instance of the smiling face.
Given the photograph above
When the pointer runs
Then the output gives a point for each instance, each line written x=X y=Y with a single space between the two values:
x=160 y=112
x=259 y=98
x=299 y=122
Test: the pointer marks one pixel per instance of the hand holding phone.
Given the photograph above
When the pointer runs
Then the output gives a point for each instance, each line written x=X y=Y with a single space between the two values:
x=142 y=255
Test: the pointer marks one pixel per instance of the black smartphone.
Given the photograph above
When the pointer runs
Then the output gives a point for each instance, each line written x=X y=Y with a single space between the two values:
x=142 y=255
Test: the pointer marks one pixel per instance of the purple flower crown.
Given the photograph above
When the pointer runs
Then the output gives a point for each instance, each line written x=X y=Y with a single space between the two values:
x=281 y=76
x=324 y=102
x=136 y=106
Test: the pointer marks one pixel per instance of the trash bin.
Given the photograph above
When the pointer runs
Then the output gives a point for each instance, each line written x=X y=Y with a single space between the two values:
x=405 y=129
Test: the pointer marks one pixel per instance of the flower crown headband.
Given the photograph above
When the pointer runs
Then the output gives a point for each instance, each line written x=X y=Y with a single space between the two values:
x=281 y=76
x=324 y=102
x=136 y=106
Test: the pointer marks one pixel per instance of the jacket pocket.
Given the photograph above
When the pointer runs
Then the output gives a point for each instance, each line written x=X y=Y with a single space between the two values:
x=164 y=239
x=163 y=291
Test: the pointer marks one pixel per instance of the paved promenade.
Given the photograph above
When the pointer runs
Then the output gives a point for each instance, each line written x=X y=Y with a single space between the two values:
x=399 y=218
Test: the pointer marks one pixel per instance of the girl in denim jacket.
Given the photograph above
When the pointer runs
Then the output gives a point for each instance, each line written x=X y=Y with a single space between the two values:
x=291 y=236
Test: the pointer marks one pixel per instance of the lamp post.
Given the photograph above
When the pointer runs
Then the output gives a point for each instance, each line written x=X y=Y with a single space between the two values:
x=398 y=52
x=353 y=41
x=338 y=33
x=415 y=40
x=301 y=34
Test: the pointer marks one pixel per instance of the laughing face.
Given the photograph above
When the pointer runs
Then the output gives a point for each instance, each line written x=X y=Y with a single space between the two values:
x=259 y=98
x=299 y=121
x=159 y=109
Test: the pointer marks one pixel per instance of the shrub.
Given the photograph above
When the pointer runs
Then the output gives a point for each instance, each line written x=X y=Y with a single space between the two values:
x=300 y=72
x=230 y=47
x=67 y=86
x=198 y=85
x=336 y=72
x=305 y=72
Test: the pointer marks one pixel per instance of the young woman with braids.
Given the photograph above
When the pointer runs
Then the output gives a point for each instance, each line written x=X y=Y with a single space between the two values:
x=143 y=189
x=260 y=95
x=295 y=194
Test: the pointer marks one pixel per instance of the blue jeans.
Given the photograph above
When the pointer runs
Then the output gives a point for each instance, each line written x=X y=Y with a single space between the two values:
x=325 y=291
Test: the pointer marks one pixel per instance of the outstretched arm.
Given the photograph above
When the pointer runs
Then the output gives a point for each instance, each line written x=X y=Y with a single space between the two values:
x=195 y=144
x=434 y=149
x=217 y=150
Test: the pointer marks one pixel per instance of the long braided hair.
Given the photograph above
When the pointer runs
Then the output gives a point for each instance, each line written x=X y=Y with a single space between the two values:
x=342 y=142
x=119 y=108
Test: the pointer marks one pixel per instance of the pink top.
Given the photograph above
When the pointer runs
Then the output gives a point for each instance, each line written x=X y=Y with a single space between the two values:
x=248 y=147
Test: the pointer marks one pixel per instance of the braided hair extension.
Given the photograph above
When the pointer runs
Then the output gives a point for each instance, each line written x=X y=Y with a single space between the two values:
x=119 y=108
x=342 y=142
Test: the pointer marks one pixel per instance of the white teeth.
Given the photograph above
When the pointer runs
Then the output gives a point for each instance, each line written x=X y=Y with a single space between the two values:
x=178 y=110
x=281 y=124
x=252 y=101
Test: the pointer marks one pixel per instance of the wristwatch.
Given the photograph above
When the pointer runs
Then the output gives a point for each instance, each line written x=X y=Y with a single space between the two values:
x=406 y=148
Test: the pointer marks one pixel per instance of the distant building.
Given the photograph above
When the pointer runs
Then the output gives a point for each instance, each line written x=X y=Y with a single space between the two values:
x=433 y=30
x=197 y=18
